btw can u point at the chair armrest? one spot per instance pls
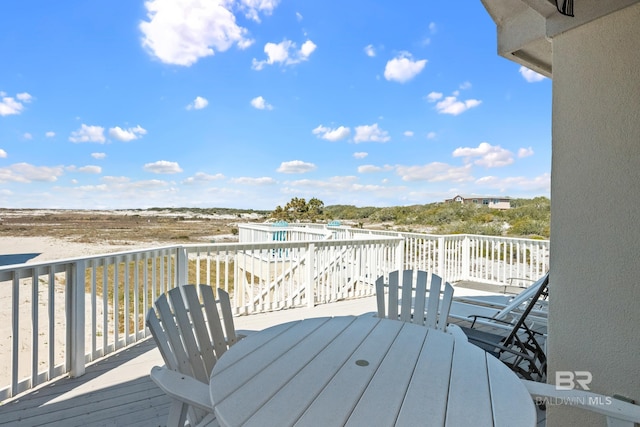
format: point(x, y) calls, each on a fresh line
point(493, 319)
point(619, 410)
point(182, 387)
point(503, 322)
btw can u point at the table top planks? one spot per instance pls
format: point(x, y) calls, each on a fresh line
point(362, 371)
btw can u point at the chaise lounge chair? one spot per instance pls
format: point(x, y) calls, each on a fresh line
point(479, 308)
point(515, 344)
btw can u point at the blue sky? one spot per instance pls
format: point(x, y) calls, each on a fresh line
point(115, 104)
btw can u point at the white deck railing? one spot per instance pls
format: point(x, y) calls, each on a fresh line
point(67, 313)
point(487, 259)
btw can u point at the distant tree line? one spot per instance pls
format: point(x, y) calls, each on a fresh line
point(526, 218)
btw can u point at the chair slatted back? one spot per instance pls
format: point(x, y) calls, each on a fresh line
point(407, 293)
point(189, 332)
point(431, 320)
point(445, 306)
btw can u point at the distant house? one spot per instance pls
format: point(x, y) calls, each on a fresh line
point(490, 201)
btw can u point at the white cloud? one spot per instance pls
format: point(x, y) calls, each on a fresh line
point(261, 104)
point(9, 106)
point(88, 134)
point(118, 191)
point(24, 97)
point(299, 16)
point(26, 173)
point(434, 96)
point(435, 172)
point(372, 132)
point(332, 135)
point(265, 180)
point(369, 169)
point(198, 104)
point(490, 156)
point(296, 166)
point(127, 135)
point(27, 135)
point(450, 104)
point(517, 183)
point(360, 155)
point(3, 154)
point(370, 51)
point(163, 167)
point(115, 179)
point(408, 133)
point(433, 28)
point(98, 155)
point(465, 85)
point(374, 169)
point(307, 49)
point(431, 135)
point(50, 134)
point(182, 32)
point(278, 52)
point(403, 68)
point(525, 152)
point(530, 75)
point(251, 8)
point(85, 169)
point(284, 53)
point(343, 189)
point(90, 169)
point(201, 177)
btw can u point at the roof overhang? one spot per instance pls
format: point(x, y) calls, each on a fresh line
point(526, 27)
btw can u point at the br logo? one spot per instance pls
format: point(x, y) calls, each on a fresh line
point(570, 380)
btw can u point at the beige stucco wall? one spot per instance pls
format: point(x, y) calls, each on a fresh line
point(595, 210)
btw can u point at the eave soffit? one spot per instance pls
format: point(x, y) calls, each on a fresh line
point(526, 27)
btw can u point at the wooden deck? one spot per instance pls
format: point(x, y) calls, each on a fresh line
point(117, 391)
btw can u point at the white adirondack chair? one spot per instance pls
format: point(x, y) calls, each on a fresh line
point(618, 413)
point(414, 296)
point(191, 335)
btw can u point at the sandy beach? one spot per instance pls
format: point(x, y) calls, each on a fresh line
point(48, 249)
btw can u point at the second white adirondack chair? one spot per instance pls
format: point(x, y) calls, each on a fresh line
point(414, 296)
point(191, 335)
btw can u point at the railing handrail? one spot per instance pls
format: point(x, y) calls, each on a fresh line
point(62, 261)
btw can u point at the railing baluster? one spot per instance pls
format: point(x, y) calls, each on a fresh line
point(126, 300)
point(76, 321)
point(51, 288)
point(116, 304)
point(15, 327)
point(34, 325)
point(105, 307)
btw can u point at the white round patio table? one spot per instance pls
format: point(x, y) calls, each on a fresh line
point(364, 371)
